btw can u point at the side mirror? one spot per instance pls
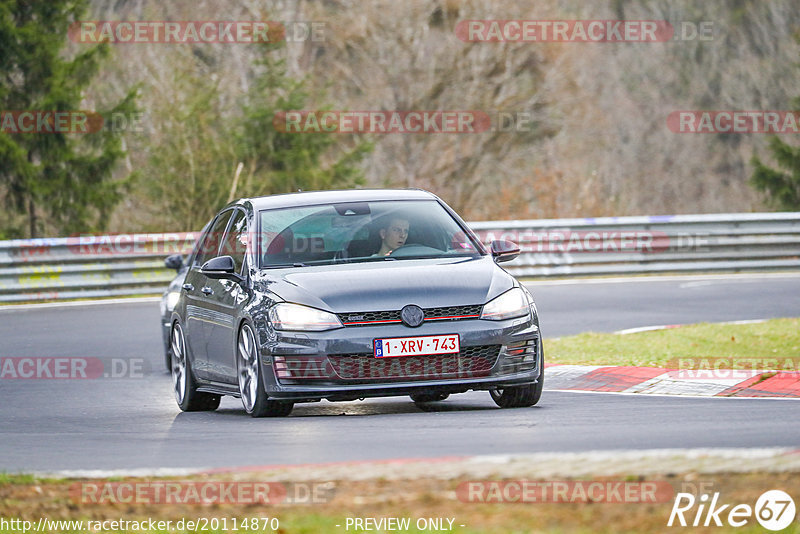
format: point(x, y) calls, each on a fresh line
point(221, 268)
point(174, 261)
point(503, 250)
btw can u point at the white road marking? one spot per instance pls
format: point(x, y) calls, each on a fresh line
point(666, 326)
point(746, 277)
point(132, 300)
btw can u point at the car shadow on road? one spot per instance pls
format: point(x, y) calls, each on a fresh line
point(370, 407)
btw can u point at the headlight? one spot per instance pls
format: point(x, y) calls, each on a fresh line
point(285, 316)
point(510, 304)
point(530, 300)
point(172, 300)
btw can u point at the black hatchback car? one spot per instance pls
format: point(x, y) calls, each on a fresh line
point(342, 295)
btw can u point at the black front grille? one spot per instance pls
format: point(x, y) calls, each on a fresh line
point(453, 313)
point(446, 313)
point(367, 318)
point(520, 357)
point(471, 362)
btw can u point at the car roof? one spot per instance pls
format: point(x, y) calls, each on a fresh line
point(324, 197)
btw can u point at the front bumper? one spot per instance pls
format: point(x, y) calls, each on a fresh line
point(339, 365)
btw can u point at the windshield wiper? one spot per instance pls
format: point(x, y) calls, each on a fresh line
point(285, 265)
point(435, 257)
point(368, 259)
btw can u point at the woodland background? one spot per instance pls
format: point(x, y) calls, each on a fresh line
point(598, 144)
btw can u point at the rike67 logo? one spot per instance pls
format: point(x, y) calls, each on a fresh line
point(774, 510)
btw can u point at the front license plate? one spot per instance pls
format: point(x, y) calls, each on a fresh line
point(416, 346)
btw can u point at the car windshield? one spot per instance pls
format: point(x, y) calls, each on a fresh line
point(353, 232)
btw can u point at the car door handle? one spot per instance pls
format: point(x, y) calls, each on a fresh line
point(188, 287)
point(207, 291)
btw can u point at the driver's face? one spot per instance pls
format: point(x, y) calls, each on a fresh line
point(396, 234)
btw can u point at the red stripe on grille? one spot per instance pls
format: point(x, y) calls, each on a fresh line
point(373, 322)
point(387, 321)
point(452, 317)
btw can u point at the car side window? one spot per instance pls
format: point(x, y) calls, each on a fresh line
point(189, 260)
point(212, 239)
point(235, 242)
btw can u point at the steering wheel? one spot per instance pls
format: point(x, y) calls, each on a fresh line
point(413, 250)
point(341, 256)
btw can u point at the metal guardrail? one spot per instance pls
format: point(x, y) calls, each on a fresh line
point(89, 266)
point(103, 266)
point(651, 244)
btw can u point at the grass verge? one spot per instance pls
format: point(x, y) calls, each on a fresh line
point(776, 339)
point(419, 499)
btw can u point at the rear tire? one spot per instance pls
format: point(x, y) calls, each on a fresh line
point(254, 398)
point(183, 382)
point(521, 396)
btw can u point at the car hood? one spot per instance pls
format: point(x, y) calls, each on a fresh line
point(380, 286)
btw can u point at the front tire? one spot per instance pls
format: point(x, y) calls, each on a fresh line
point(521, 396)
point(183, 383)
point(254, 398)
point(168, 356)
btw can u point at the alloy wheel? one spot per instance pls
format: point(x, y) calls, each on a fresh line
point(248, 368)
point(178, 367)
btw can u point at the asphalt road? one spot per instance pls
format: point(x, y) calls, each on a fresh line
point(606, 306)
point(48, 425)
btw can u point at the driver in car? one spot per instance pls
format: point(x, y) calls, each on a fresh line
point(393, 235)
